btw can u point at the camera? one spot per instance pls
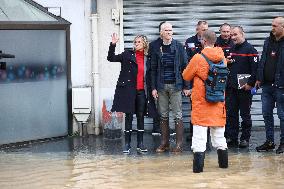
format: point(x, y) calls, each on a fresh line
point(227, 52)
point(3, 64)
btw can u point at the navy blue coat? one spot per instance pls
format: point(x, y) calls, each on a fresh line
point(279, 74)
point(226, 45)
point(125, 92)
point(151, 105)
point(157, 67)
point(192, 46)
point(245, 60)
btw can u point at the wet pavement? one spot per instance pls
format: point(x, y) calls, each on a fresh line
point(95, 162)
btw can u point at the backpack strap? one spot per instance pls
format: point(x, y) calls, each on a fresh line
point(207, 59)
point(210, 83)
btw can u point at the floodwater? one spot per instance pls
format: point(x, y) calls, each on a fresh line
point(94, 162)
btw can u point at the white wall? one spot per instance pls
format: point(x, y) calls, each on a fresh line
point(109, 70)
point(78, 13)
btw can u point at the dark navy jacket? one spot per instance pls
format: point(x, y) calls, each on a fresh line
point(245, 60)
point(153, 46)
point(151, 106)
point(157, 67)
point(192, 46)
point(279, 74)
point(226, 45)
point(125, 92)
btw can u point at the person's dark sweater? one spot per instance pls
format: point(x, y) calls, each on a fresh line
point(226, 45)
point(272, 57)
point(168, 61)
point(192, 46)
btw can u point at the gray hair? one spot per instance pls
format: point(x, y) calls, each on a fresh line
point(210, 36)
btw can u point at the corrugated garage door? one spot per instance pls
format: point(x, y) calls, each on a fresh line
point(143, 17)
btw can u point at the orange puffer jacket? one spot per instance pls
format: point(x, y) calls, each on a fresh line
point(204, 113)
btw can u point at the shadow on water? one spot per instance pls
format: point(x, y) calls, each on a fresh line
point(95, 162)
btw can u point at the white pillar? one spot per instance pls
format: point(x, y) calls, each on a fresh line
point(95, 72)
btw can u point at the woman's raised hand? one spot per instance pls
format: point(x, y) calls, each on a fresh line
point(114, 38)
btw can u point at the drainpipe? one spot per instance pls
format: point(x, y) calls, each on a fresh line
point(119, 7)
point(95, 65)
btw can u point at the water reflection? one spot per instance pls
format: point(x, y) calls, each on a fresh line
point(89, 163)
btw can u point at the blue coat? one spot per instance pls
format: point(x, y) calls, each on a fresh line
point(157, 67)
point(151, 105)
point(192, 46)
point(125, 92)
point(279, 74)
point(225, 45)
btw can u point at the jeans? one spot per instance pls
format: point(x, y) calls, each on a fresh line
point(170, 96)
point(271, 95)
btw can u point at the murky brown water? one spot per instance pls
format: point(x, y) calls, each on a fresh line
point(80, 170)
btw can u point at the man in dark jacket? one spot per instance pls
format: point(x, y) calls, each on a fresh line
point(193, 44)
point(270, 76)
point(224, 40)
point(239, 98)
point(154, 45)
point(167, 64)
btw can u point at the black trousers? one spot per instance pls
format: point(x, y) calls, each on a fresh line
point(238, 101)
point(140, 105)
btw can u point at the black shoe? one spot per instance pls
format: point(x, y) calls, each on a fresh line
point(126, 149)
point(244, 144)
point(232, 143)
point(267, 146)
point(280, 148)
point(141, 149)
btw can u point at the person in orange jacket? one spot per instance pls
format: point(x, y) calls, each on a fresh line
point(206, 114)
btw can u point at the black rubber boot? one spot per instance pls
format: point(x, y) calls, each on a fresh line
point(198, 162)
point(223, 158)
point(127, 135)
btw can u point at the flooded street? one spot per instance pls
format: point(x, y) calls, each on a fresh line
point(94, 162)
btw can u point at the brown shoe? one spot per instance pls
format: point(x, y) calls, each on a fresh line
point(165, 131)
point(163, 148)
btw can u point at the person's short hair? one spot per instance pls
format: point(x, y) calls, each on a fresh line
point(225, 24)
point(145, 42)
point(202, 22)
point(161, 23)
point(281, 20)
point(240, 28)
point(209, 36)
